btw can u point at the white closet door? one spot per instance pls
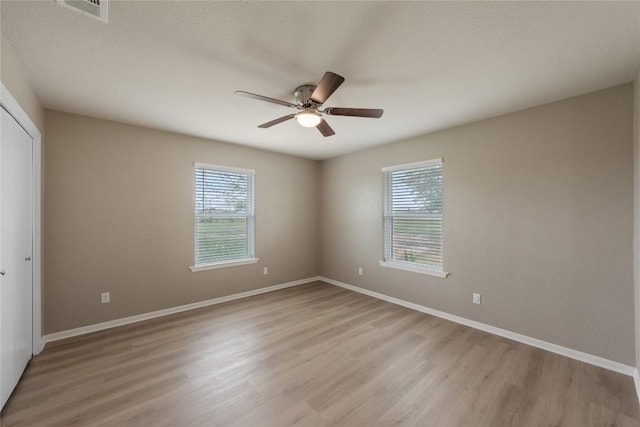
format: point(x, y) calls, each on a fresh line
point(16, 228)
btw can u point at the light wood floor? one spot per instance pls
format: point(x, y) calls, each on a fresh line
point(311, 355)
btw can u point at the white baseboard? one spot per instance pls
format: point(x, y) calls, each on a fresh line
point(167, 311)
point(636, 380)
point(534, 342)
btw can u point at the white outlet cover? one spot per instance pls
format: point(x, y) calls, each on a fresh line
point(477, 298)
point(105, 297)
point(265, 271)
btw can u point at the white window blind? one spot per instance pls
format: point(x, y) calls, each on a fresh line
point(224, 214)
point(413, 214)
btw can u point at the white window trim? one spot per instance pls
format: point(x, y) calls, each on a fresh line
point(197, 165)
point(235, 262)
point(414, 268)
point(223, 264)
point(409, 266)
point(413, 165)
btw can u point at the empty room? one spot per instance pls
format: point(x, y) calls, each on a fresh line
point(319, 213)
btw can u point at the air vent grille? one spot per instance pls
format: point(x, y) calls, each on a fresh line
point(95, 8)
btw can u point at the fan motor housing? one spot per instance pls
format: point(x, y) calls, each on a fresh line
point(303, 93)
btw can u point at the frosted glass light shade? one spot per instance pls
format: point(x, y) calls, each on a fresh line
point(308, 119)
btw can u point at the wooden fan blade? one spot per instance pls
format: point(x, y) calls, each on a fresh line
point(355, 112)
point(265, 98)
point(276, 121)
point(325, 129)
point(329, 83)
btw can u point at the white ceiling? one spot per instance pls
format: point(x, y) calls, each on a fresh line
point(174, 65)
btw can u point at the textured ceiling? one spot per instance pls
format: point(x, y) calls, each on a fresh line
point(174, 65)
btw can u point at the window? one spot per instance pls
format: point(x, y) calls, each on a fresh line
point(413, 217)
point(224, 216)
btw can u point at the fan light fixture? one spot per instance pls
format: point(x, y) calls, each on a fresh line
point(308, 119)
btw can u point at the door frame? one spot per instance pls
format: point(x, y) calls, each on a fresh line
point(13, 107)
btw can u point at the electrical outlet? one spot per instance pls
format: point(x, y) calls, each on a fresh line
point(359, 271)
point(265, 271)
point(477, 298)
point(105, 297)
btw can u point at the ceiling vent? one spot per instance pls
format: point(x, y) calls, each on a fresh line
point(95, 8)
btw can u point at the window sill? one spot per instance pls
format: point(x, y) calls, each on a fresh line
point(414, 269)
point(213, 266)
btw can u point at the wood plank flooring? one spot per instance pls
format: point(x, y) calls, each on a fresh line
point(311, 355)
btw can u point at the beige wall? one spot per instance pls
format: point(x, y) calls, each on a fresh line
point(14, 78)
point(538, 210)
point(119, 218)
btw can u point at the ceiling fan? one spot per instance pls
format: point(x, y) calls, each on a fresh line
point(309, 99)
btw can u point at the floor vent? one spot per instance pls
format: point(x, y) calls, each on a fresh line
point(95, 8)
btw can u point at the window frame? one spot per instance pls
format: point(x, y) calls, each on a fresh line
point(250, 215)
point(388, 217)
